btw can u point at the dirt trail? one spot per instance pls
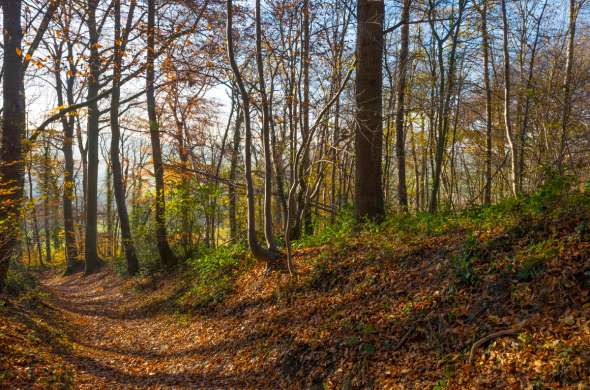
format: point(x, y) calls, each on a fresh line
point(115, 345)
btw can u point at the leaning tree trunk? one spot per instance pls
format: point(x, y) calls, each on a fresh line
point(13, 127)
point(268, 233)
point(257, 251)
point(166, 255)
point(369, 201)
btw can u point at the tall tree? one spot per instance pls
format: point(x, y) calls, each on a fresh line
point(567, 83)
point(257, 250)
point(166, 255)
point(369, 202)
point(399, 115)
point(268, 231)
point(447, 78)
point(527, 103)
point(67, 122)
point(121, 39)
point(507, 97)
point(485, 46)
point(13, 126)
point(92, 260)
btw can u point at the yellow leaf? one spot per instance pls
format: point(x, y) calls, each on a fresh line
point(19, 52)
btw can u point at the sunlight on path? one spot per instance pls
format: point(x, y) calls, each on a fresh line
point(118, 346)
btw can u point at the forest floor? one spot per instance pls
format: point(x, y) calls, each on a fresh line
point(500, 301)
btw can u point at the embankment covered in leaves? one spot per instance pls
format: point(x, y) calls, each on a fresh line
point(486, 298)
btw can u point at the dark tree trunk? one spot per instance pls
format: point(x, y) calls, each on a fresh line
point(233, 196)
point(118, 184)
point(92, 261)
point(13, 127)
point(369, 133)
point(72, 262)
point(487, 197)
point(46, 208)
point(399, 115)
point(166, 255)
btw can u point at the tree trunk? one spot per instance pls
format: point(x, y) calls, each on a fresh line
point(399, 115)
point(118, 184)
point(268, 233)
point(446, 90)
point(67, 122)
point(487, 196)
point(13, 127)
point(257, 251)
point(166, 255)
point(507, 85)
point(233, 196)
point(92, 259)
point(565, 112)
point(369, 133)
point(46, 208)
point(527, 103)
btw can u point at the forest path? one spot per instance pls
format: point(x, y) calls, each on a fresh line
point(118, 346)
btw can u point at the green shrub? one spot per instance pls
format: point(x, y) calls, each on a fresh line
point(462, 263)
point(532, 261)
point(19, 279)
point(332, 233)
point(215, 271)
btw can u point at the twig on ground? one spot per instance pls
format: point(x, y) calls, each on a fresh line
point(491, 336)
point(404, 338)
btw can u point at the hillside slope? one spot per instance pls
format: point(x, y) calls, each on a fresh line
point(489, 298)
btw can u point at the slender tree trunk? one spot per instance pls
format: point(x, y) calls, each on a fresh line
point(268, 233)
point(527, 103)
point(36, 235)
point(369, 132)
point(257, 251)
point(487, 196)
point(400, 112)
point(118, 183)
point(447, 88)
point(507, 86)
point(72, 261)
point(565, 112)
point(304, 204)
point(166, 256)
point(46, 208)
point(13, 128)
point(233, 196)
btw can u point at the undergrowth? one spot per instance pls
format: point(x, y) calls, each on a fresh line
point(213, 273)
point(20, 279)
